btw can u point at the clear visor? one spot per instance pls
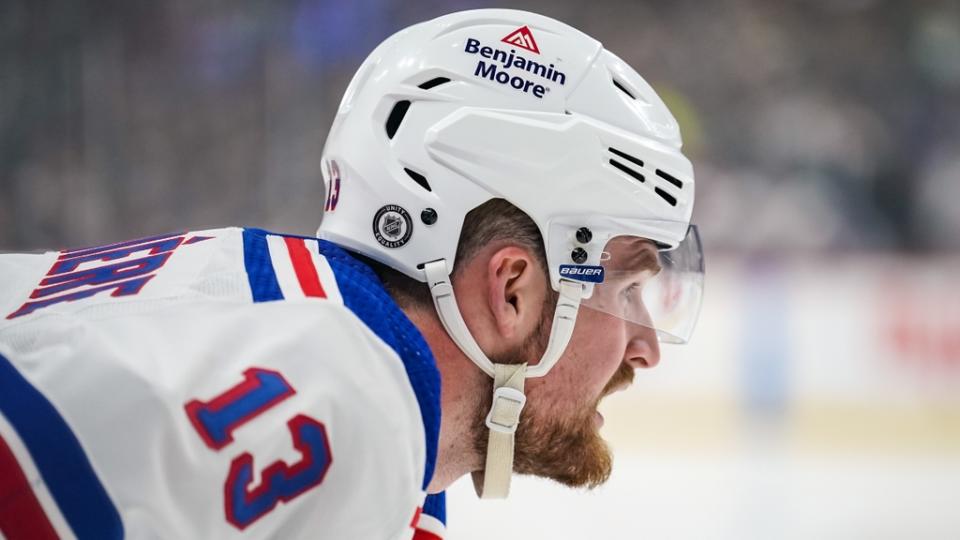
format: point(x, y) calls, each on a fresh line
point(662, 290)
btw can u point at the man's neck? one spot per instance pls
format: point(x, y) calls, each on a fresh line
point(460, 399)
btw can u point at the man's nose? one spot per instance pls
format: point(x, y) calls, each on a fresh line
point(643, 347)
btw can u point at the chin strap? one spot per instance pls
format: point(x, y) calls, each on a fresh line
point(508, 379)
point(502, 421)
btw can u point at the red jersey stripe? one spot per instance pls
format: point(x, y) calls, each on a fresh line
point(303, 266)
point(21, 516)
point(421, 534)
point(416, 517)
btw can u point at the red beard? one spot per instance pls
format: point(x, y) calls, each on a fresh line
point(568, 450)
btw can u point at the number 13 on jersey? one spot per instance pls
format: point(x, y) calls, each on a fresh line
point(215, 421)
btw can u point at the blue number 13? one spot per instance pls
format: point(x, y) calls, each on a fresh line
point(216, 420)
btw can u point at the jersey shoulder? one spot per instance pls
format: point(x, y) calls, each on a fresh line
point(122, 275)
point(294, 322)
point(234, 264)
point(220, 419)
point(362, 293)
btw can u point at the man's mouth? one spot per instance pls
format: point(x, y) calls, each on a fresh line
point(597, 417)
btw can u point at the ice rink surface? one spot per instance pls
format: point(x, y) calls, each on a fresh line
point(758, 496)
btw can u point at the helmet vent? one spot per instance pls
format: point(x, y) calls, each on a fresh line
point(434, 82)
point(623, 89)
point(419, 179)
point(396, 117)
point(636, 176)
point(666, 196)
point(625, 168)
point(626, 156)
point(669, 178)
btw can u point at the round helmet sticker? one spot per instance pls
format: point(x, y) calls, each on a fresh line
point(392, 226)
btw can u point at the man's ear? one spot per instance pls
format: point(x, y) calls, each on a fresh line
point(516, 289)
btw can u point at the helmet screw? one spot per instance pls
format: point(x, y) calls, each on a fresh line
point(579, 255)
point(428, 216)
point(584, 235)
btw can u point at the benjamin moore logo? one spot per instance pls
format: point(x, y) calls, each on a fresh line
point(503, 64)
point(522, 37)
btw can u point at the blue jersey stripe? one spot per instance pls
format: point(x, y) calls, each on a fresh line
point(435, 505)
point(260, 273)
point(364, 295)
point(59, 457)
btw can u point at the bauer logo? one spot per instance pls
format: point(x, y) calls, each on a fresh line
point(593, 274)
point(510, 68)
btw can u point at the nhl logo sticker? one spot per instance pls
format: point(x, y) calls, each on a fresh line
point(523, 38)
point(392, 226)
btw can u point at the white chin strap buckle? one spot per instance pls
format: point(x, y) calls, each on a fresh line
point(504, 415)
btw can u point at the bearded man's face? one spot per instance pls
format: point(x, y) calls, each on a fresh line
point(558, 436)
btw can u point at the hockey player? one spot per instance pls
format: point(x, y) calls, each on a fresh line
point(506, 237)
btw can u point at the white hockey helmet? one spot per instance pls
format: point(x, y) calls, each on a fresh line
point(493, 103)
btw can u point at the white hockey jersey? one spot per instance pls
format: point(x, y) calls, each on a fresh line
point(229, 383)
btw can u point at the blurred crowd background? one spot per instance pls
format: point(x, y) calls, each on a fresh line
point(821, 395)
point(813, 124)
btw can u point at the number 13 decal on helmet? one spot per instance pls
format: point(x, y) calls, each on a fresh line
point(216, 419)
